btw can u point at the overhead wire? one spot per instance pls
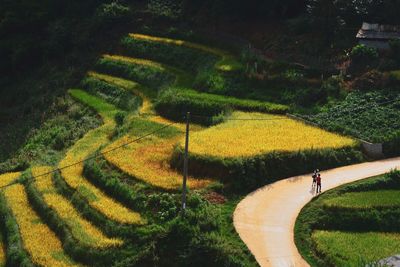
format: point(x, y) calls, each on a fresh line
point(169, 125)
point(98, 154)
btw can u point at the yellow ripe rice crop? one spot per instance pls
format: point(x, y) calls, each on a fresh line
point(41, 243)
point(149, 161)
point(86, 146)
point(8, 178)
point(137, 61)
point(227, 63)
point(74, 178)
point(260, 135)
point(81, 229)
point(180, 126)
point(128, 85)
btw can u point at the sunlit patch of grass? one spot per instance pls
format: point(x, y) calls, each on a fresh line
point(37, 238)
point(365, 200)
point(227, 63)
point(81, 229)
point(353, 249)
point(262, 134)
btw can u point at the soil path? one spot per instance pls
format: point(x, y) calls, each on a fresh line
point(265, 219)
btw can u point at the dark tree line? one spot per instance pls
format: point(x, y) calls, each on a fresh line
point(33, 30)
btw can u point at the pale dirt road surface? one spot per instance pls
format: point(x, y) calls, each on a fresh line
point(265, 219)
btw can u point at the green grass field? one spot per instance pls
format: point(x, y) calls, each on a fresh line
point(365, 200)
point(365, 207)
point(355, 249)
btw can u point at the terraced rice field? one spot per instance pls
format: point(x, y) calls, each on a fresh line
point(249, 134)
point(356, 249)
point(81, 229)
point(147, 161)
point(40, 242)
point(226, 63)
point(91, 142)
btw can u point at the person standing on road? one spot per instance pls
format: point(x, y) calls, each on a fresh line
point(314, 179)
point(318, 183)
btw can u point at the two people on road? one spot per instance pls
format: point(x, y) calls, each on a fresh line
point(316, 181)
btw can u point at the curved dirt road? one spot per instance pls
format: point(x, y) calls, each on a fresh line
point(265, 219)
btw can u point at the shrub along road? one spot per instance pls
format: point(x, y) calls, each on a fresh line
point(265, 219)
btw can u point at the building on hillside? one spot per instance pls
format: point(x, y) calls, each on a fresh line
point(378, 36)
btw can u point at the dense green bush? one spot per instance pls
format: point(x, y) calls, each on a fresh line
point(45, 145)
point(395, 51)
point(250, 173)
point(174, 105)
point(111, 93)
point(391, 146)
point(194, 240)
point(143, 74)
point(179, 56)
point(363, 58)
point(171, 9)
point(112, 12)
point(120, 118)
point(371, 79)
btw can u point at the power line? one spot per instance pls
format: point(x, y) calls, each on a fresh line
point(242, 119)
point(169, 125)
point(97, 155)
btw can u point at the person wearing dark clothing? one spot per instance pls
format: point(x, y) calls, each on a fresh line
point(314, 179)
point(318, 183)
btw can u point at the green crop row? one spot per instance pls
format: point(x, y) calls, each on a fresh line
point(371, 116)
point(175, 102)
point(249, 173)
point(113, 94)
point(180, 56)
point(144, 74)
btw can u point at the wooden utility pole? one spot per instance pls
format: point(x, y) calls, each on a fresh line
point(185, 163)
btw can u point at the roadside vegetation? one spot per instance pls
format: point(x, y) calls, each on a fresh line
point(347, 225)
